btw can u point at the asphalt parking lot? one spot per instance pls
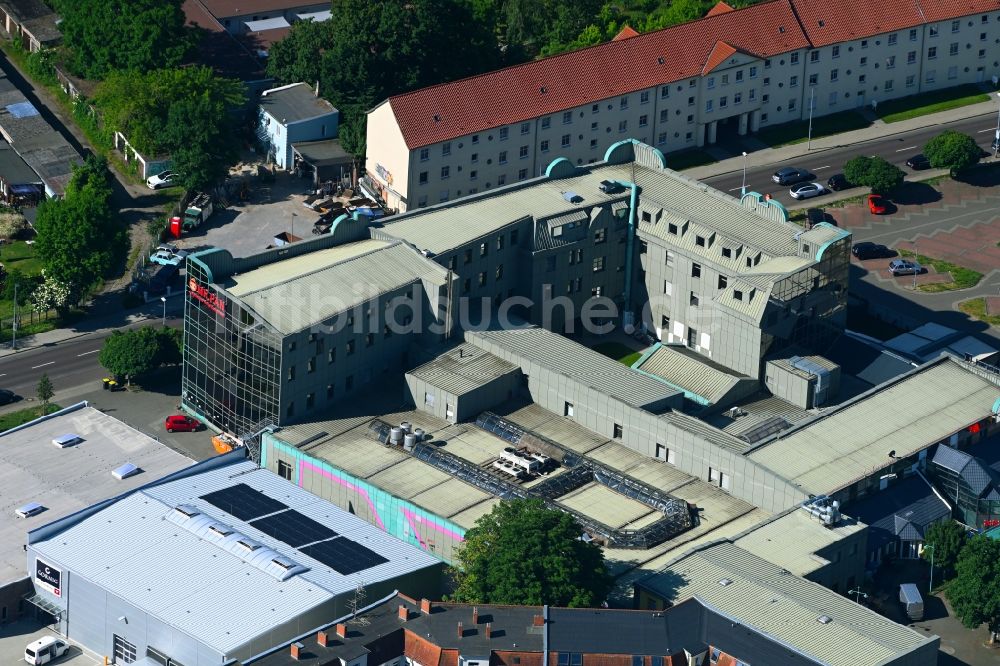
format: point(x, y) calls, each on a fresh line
point(14, 636)
point(247, 227)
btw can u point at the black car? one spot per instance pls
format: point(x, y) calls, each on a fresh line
point(838, 182)
point(7, 397)
point(918, 162)
point(871, 251)
point(814, 216)
point(790, 176)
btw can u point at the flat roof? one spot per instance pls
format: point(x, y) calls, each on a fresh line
point(541, 347)
point(14, 169)
point(294, 102)
point(905, 416)
point(462, 369)
point(322, 153)
point(294, 293)
point(795, 540)
point(764, 598)
point(32, 469)
point(191, 579)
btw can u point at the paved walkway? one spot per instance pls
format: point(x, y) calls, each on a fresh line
point(878, 130)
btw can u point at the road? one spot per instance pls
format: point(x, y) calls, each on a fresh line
point(823, 164)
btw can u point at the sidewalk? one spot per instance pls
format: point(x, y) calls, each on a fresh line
point(878, 130)
point(150, 313)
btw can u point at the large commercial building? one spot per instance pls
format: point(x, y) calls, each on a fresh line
point(219, 562)
point(732, 72)
point(42, 482)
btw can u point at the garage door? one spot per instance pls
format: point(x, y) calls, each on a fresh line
point(123, 650)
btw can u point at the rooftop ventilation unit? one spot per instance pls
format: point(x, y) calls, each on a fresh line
point(725, 581)
point(28, 510)
point(125, 471)
point(186, 511)
point(67, 440)
point(824, 619)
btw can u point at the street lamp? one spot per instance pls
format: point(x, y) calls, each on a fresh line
point(858, 594)
point(163, 299)
point(930, 586)
point(743, 189)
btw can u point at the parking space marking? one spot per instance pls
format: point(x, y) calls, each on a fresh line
point(988, 129)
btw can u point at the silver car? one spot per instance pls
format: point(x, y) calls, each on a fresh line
point(904, 267)
point(807, 191)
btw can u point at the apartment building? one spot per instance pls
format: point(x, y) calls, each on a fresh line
point(730, 73)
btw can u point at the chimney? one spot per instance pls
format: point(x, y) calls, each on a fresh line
point(404, 613)
point(475, 615)
point(425, 606)
point(461, 631)
point(538, 621)
point(489, 629)
point(297, 650)
point(322, 639)
point(342, 630)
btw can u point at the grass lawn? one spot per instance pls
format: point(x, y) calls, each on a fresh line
point(22, 416)
point(894, 110)
point(687, 159)
point(21, 256)
point(962, 277)
point(798, 131)
point(976, 307)
point(619, 352)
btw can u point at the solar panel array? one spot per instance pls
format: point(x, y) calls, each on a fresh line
point(276, 520)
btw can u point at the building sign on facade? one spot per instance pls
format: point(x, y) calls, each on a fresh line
point(383, 173)
point(207, 298)
point(48, 577)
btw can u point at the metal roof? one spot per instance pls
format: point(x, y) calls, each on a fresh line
point(969, 468)
point(904, 416)
point(678, 367)
point(909, 505)
point(190, 582)
point(768, 599)
point(462, 369)
point(295, 293)
point(563, 356)
point(293, 103)
point(32, 469)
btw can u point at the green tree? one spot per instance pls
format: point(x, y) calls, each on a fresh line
point(953, 151)
point(131, 353)
point(947, 538)
point(102, 36)
point(299, 56)
point(80, 236)
point(170, 344)
point(873, 172)
point(44, 391)
point(524, 553)
point(975, 592)
point(17, 281)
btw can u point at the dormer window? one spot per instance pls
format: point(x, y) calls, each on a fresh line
point(737, 294)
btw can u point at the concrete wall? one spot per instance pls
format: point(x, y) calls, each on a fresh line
point(467, 406)
point(388, 149)
point(12, 604)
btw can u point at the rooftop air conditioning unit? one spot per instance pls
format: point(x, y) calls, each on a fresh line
point(28, 510)
point(67, 440)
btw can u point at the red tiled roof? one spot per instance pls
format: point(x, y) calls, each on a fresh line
point(625, 33)
point(420, 650)
point(938, 10)
point(720, 8)
point(521, 92)
point(830, 21)
point(719, 53)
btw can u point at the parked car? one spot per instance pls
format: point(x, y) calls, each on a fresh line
point(162, 179)
point(807, 191)
point(870, 251)
point(162, 257)
point(919, 162)
point(814, 216)
point(7, 397)
point(837, 182)
point(877, 204)
point(182, 423)
point(904, 267)
point(790, 176)
point(46, 649)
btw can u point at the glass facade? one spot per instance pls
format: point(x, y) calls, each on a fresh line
point(232, 361)
point(972, 509)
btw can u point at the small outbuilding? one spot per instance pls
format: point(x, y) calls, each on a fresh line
point(292, 114)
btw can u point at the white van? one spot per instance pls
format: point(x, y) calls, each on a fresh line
point(910, 597)
point(45, 650)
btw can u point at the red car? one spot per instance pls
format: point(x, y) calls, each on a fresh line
point(877, 205)
point(182, 423)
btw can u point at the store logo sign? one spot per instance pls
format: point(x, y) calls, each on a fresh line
point(48, 577)
point(207, 298)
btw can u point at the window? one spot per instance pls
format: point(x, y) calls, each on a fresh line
point(284, 470)
point(522, 152)
point(953, 72)
point(929, 77)
point(475, 139)
point(499, 272)
point(546, 122)
point(617, 432)
point(643, 120)
point(623, 103)
point(767, 63)
point(503, 133)
point(444, 195)
point(567, 117)
point(953, 48)
point(791, 104)
point(813, 79)
point(446, 149)
point(502, 179)
point(739, 75)
point(863, 61)
point(723, 281)
point(693, 299)
point(696, 270)
point(503, 157)
point(329, 391)
point(622, 125)
point(522, 174)
point(725, 79)
point(544, 146)
point(483, 249)
point(982, 53)
point(429, 399)
point(565, 140)
point(753, 72)
point(793, 82)
point(668, 288)
point(422, 201)
point(911, 57)
point(890, 62)
point(474, 158)
point(331, 355)
point(291, 373)
point(525, 128)
point(933, 31)
point(794, 58)
point(423, 178)
point(836, 51)
point(664, 92)
point(954, 26)
point(834, 74)
point(723, 102)
point(814, 56)
point(861, 79)
point(473, 175)
point(593, 143)
point(311, 365)
point(832, 99)
point(752, 95)
point(445, 172)
point(708, 106)
point(350, 347)
point(663, 115)
point(913, 35)
point(911, 81)
point(310, 400)
point(369, 339)
point(482, 278)
point(710, 83)
point(568, 409)
point(737, 98)
point(864, 43)
point(892, 39)
point(425, 154)
point(982, 36)
point(598, 264)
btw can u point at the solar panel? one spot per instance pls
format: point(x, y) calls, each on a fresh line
point(293, 528)
point(343, 555)
point(243, 502)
